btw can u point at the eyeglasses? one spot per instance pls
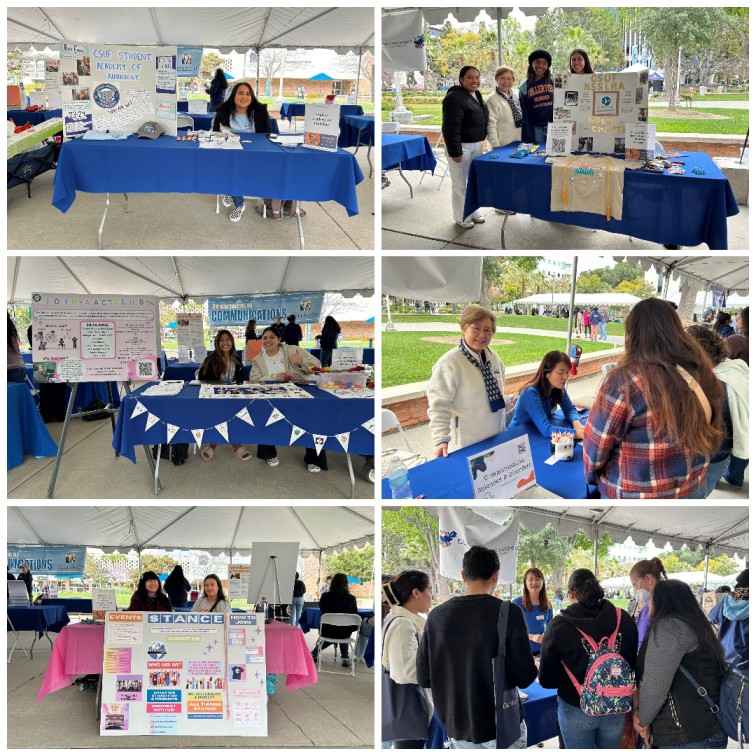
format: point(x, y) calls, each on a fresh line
point(486, 331)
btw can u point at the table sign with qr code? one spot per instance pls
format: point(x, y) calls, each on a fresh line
point(321, 130)
point(502, 471)
point(84, 338)
point(559, 139)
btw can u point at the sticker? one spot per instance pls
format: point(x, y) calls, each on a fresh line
point(106, 95)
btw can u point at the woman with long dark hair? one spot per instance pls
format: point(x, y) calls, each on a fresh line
point(250, 332)
point(329, 340)
point(669, 712)
point(545, 392)
point(16, 369)
point(217, 90)
point(723, 324)
point(213, 599)
point(337, 600)
point(579, 62)
point(149, 595)
point(535, 606)
point(177, 587)
point(657, 416)
point(223, 364)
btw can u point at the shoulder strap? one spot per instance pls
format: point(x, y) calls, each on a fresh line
point(502, 627)
point(613, 636)
point(697, 390)
point(212, 608)
point(713, 708)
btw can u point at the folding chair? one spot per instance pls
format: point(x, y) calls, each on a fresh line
point(182, 121)
point(337, 620)
point(389, 421)
point(440, 158)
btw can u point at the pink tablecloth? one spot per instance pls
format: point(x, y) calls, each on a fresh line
point(78, 651)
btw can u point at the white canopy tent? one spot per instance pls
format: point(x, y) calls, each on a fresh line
point(184, 277)
point(691, 578)
point(611, 299)
point(446, 279)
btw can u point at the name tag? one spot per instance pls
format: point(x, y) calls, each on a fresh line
point(540, 616)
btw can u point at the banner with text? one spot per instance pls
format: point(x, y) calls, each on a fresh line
point(403, 42)
point(48, 560)
point(236, 311)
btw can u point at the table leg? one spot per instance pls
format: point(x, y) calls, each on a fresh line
point(125, 202)
point(98, 700)
point(102, 220)
point(151, 463)
point(16, 642)
point(359, 136)
point(370, 175)
point(62, 444)
point(157, 470)
point(217, 204)
point(299, 225)
point(351, 475)
point(31, 650)
point(404, 178)
point(49, 638)
point(503, 230)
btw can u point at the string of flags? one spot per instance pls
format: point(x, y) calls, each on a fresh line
point(319, 439)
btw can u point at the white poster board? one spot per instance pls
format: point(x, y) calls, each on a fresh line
point(601, 104)
point(103, 600)
point(190, 334)
point(321, 129)
point(89, 337)
point(502, 471)
point(343, 359)
point(38, 98)
point(262, 573)
point(52, 84)
point(117, 87)
point(640, 141)
point(196, 107)
point(238, 581)
point(184, 673)
point(17, 593)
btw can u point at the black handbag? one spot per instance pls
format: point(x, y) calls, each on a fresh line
point(506, 695)
point(404, 710)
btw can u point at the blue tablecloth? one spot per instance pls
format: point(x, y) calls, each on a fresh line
point(368, 355)
point(261, 169)
point(324, 414)
point(686, 210)
point(204, 122)
point(27, 357)
point(291, 110)
point(310, 620)
point(20, 117)
point(38, 618)
point(448, 478)
point(27, 434)
point(86, 393)
point(352, 125)
point(73, 605)
point(413, 152)
point(234, 610)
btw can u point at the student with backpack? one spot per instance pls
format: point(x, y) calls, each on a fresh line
point(588, 654)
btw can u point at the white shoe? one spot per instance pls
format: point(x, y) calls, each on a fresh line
point(371, 475)
point(273, 462)
point(313, 468)
point(237, 213)
point(478, 219)
point(227, 201)
point(465, 224)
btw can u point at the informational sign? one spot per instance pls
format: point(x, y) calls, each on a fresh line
point(321, 129)
point(103, 600)
point(272, 570)
point(600, 105)
point(189, 61)
point(184, 674)
point(197, 107)
point(52, 84)
point(48, 560)
point(190, 330)
point(238, 581)
point(343, 359)
point(237, 311)
point(640, 141)
point(559, 138)
point(90, 337)
point(502, 471)
point(116, 87)
point(38, 98)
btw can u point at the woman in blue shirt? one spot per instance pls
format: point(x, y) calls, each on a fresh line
point(535, 606)
point(538, 401)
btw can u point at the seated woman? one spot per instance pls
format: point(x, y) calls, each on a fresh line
point(338, 600)
point(149, 596)
point(223, 365)
point(281, 362)
point(212, 599)
point(540, 398)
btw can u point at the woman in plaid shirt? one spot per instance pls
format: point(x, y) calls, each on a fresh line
point(658, 415)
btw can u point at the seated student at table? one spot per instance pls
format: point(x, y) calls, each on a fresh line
point(657, 416)
point(281, 362)
point(223, 365)
point(149, 596)
point(213, 599)
point(338, 600)
point(16, 368)
point(539, 399)
point(177, 587)
point(535, 607)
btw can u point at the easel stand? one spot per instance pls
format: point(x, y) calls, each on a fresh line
point(276, 586)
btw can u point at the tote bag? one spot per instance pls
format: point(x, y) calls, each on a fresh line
point(505, 694)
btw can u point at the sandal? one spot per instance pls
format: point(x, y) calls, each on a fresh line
point(242, 453)
point(270, 214)
point(207, 453)
point(289, 208)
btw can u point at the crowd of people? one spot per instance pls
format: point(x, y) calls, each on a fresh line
point(670, 420)
point(617, 673)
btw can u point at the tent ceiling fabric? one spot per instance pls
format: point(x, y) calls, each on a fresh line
point(437, 16)
point(448, 279)
point(729, 272)
point(190, 277)
point(340, 29)
point(218, 529)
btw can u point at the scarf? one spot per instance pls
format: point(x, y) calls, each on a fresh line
point(516, 112)
point(495, 399)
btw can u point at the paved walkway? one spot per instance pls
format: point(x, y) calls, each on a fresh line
point(736, 105)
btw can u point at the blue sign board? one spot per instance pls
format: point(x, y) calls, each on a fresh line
point(48, 560)
point(236, 311)
point(188, 60)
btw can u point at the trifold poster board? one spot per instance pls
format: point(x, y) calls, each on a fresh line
point(176, 673)
point(94, 337)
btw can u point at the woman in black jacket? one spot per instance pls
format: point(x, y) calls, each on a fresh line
point(223, 365)
point(337, 600)
point(464, 125)
point(563, 645)
point(177, 587)
point(217, 90)
point(329, 340)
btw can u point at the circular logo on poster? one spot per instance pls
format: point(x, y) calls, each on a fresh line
point(106, 96)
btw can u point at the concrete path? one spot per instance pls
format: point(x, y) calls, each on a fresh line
point(735, 105)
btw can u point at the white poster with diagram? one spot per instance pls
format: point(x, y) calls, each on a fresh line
point(184, 673)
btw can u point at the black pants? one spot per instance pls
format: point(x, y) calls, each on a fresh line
point(265, 451)
point(343, 647)
point(409, 744)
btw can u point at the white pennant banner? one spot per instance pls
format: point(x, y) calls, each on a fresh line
point(222, 428)
point(244, 415)
point(343, 439)
point(151, 420)
point(370, 425)
point(275, 416)
point(138, 410)
point(198, 433)
point(172, 431)
point(296, 432)
point(319, 442)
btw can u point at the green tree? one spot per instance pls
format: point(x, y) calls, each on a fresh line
point(15, 60)
point(720, 565)
point(638, 287)
point(591, 284)
point(403, 546)
point(510, 275)
point(358, 563)
point(622, 271)
point(153, 563)
point(210, 64)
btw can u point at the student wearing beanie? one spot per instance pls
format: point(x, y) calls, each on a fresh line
point(538, 91)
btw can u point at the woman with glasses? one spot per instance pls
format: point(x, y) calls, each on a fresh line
point(466, 388)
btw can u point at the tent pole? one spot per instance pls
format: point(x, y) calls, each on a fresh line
point(139, 558)
point(595, 552)
point(257, 79)
point(572, 302)
point(357, 86)
point(320, 568)
point(498, 32)
point(706, 570)
point(397, 84)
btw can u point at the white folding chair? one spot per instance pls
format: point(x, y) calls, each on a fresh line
point(390, 127)
point(182, 121)
point(440, 158)
point(337, 620)
point(389, 421)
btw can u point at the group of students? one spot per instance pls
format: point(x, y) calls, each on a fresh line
point(446, 655)
point(291, 334)
point(591, 323)
point(508, 115)
point(152, 596)
point(669, 421)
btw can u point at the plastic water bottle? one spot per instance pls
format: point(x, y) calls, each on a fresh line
point(398, 476)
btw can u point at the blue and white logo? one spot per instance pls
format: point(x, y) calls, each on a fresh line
point(106, 96)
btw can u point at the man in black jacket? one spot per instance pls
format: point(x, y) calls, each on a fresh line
point(455, 655)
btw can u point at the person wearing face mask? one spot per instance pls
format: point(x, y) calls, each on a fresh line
point(538, 91)
point(644, 576)
point(535, 607)
point(544, 393)
point(466, 387)
point(464, 123)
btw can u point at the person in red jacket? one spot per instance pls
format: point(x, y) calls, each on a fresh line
point(149, 596)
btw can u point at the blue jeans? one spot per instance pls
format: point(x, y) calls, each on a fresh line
point(540, 133)
point(297, 604)
point(718, 740)
point(326, 355)
point(602, 330)
point(736, 473)
point(714, 473)
point(16, 375)
point(579, 730)
point(238, 201)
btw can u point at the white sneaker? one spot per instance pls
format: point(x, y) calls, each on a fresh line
point(371, 475)
point(273, 462)
point(313, 468)
point(227, 201)
point(478, 219)
point(237, 213)
point(465, 224)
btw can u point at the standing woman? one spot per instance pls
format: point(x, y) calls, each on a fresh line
point(579, 63)
point(217, 90)
point(27, 578)
point(535, 606)
point(213, 599)
point(657, 416)
point(250, 332)
point(329, 340)
point(644, 576)
point(297, 600)
point(16, 368)
point(464, 124)
point(539, 97)
point(177, 587)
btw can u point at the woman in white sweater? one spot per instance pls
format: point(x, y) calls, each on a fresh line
point(409, 596)
point(466, 388)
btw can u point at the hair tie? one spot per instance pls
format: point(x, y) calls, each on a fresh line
point(388, 592)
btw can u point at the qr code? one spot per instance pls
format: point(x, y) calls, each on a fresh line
point(145, 369)
point(521, 448)
point(558, 145)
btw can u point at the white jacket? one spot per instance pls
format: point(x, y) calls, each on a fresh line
point(501, 128)
point(734, 374)
point(458, 407)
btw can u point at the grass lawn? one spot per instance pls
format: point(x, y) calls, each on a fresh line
point(408, 358)
point(123, 597)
